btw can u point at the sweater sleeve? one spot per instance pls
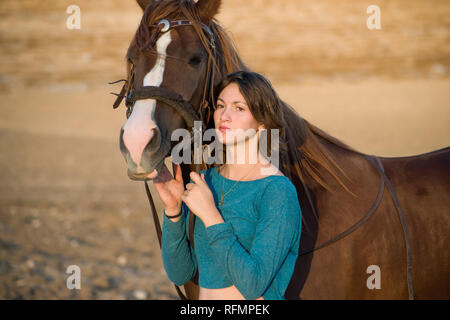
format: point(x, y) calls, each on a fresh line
point(277, 229)
point(177, 256)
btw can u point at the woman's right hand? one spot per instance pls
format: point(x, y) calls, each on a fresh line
point(170, 189)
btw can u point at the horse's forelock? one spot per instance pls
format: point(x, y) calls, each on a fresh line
point(171, 10)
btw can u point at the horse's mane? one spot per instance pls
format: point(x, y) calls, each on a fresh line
point(306, 155)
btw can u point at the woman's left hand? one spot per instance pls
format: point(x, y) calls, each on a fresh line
point(198, 197)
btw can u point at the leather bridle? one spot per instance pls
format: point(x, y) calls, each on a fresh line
point(177, 102)
point(168, 96)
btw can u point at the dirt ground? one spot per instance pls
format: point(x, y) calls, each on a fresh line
point(65, 198)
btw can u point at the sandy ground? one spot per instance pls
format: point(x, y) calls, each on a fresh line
point(65, 198)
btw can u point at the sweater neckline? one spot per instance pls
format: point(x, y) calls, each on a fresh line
point(247, 181)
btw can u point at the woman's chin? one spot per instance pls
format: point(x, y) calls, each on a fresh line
point(230, 138)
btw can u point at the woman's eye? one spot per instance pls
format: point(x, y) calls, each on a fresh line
point(240, 109)
point(218, 106)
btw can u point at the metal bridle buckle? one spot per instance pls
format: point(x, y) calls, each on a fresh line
point(212, 43)
point(166, 24)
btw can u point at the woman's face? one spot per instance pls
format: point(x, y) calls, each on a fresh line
point(233, 113)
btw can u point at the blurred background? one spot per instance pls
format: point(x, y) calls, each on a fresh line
point(65, 198)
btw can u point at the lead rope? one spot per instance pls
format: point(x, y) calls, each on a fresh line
point(158, 231)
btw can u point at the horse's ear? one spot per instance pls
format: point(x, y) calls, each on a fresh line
point(144, 3)
point(208, 9)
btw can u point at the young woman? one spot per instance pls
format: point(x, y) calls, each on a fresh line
point(248, 228)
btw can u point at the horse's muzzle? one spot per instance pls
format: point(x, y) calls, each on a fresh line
point(151, 161)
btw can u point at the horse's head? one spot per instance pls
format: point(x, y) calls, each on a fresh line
point(170, 64)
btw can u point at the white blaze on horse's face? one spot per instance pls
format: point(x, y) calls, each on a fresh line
point(137, 130)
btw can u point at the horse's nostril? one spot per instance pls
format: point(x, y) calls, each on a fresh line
point(155, 141)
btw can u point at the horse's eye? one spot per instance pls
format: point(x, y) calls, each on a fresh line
point(195, 61)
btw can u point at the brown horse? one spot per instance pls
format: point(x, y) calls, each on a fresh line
point(377, 234)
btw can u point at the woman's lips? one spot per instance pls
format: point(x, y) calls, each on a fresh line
point(223, 129)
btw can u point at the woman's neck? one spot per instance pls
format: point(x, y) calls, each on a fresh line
point(245, 165)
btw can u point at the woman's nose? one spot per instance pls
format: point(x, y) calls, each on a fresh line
point(225, 114)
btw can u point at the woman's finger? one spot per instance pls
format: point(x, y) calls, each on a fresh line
point(178, 175)
point(196, 177)
point(190, 186)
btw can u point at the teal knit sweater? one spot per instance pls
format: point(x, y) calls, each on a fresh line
point(256, 247)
